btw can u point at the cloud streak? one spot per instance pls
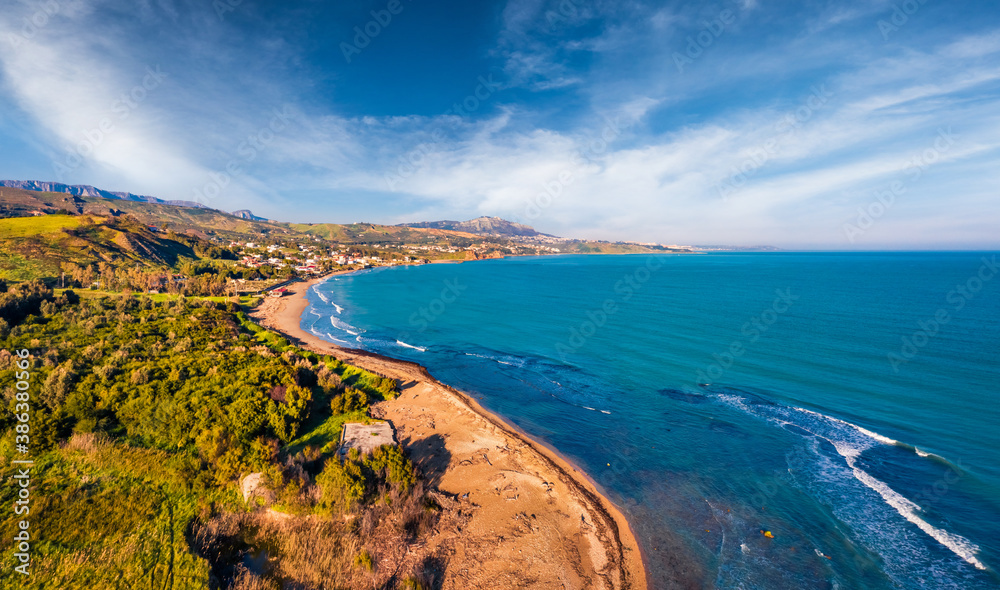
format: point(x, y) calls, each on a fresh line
point(591, 96)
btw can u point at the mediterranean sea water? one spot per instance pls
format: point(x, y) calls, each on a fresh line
point(847, 404)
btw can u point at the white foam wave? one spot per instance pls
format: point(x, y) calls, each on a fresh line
point(865, 431)
point(850, 441)
point(921, 453)
point(342, 325)
point(510, 360)
point(335, 338)
point(326, 299)
point(958, 544)
point(326, 335)
point(401, 343)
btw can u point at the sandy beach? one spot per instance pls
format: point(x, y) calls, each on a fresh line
point(521, 516)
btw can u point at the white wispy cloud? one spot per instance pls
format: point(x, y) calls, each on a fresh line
point(646, 147)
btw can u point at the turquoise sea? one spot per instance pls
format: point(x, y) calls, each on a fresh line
point(847, 403)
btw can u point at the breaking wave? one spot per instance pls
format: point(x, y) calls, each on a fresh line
point(850, 441)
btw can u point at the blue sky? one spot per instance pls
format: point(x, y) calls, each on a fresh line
point(834, 125)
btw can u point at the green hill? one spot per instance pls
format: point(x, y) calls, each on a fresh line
point(371, 233)
point(193, 220)
point(35, 247)
point(16, 202)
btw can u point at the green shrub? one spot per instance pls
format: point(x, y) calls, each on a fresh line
point(364, 561)
point(350, 401)
point(341, 485)
point(389, 463)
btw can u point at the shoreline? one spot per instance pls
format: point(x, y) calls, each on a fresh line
point(607, 528)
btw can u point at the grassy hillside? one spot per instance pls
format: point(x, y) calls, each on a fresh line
point(24, 203)
point(26, 227)
point(369, 233)
point(193, 219)
point(15, 202)
point(210, 222)
point(35, 247)
point(144, 416)
point(597, 247)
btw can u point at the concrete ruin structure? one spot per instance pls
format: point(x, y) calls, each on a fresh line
point(366, 437)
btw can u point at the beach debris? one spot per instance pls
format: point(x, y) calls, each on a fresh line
point(767, 534)
point(487, 459)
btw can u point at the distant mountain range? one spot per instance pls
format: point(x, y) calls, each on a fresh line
point(85, 190)
point(493, 226)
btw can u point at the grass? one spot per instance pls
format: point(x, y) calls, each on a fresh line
point(15, 267)
point(326, 434)
point(26, 227)
point(48, 241)
point(363, 560)
point(106, 515)
point(364, 380)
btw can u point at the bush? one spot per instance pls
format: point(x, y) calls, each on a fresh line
point(341, 485)
point(364, 561)
point(350, 401)
point(388, 387)
point(389, 463)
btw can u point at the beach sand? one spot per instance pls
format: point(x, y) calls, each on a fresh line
point(521, 515)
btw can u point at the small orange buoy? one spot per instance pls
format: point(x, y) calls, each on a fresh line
point(768, 534)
